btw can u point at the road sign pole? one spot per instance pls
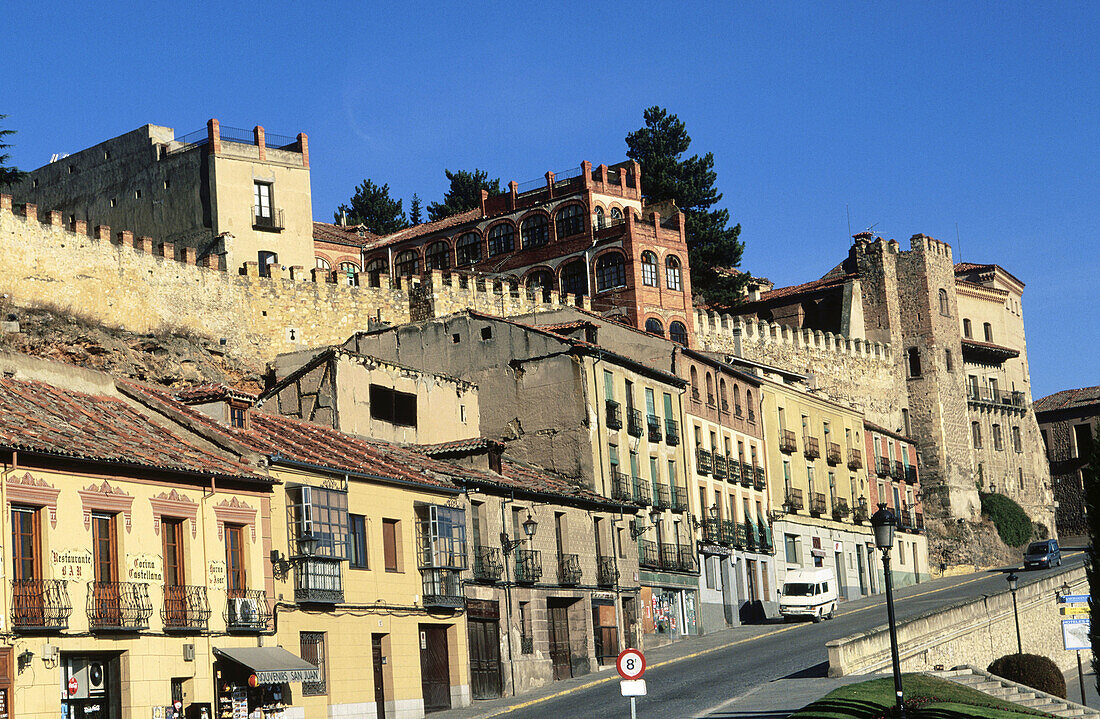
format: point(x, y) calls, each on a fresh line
point(1080, 678)
point(634, 710)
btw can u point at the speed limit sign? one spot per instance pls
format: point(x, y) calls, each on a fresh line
point(631, 664)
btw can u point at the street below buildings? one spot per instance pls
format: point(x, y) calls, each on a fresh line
point(698, 677)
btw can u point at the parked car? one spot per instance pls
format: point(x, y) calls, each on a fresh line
point(808, 593)
point(1043, 554)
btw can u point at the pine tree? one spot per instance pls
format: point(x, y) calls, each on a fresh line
point(689, 182)
point(465, 193)
point(414, 210)
point(8, 175)
point(372, 207)
point(1090, 474)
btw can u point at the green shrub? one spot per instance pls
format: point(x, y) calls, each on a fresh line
point(1009, 518)
point(1031, 670)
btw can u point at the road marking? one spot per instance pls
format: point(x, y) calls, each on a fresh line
point(727, 645)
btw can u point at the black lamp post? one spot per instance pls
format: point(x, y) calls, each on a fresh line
point(1013, 582)
point(883, 521)
point(529, 526)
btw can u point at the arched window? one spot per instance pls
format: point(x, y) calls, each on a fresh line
point(539, 283)
point(988, 332)
point(654, 327)
point(737, 399)
point(672, 272)
point(722, 403)
point(438, 256)
point(502, 238)
point(945, 310)
point(694, 381)
point(535, 231)
point(678, 332)
point(610, 272)
point(407, 263)
point(616, 213)
point(349, 273)
point(573, 279)
point(570, 221)
point(748, 401)
point(649, 269)
point(375, 269)
point(468, 249)
point(601, 221)
point(322, 263)
point(710, 389)
point(966, 327)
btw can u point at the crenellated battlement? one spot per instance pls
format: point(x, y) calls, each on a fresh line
point(729, 331)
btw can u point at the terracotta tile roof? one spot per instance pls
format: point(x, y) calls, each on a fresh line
point(39, 417)
point(459, 446)
point(1068, 399)
point(829, 282)
point(574, 325)
point(962, 268)
point(350, 235)
point(213, 393)
point(889, 432)
point(990, 346)
point(426, 228)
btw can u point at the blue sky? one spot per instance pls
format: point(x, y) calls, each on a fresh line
point(916, 118)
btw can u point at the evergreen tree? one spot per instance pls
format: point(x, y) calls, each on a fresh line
point(372, 207)
point(465, 193)
point(414, 210)
point(8, 175)
point(1091, 477)
point(689, 182)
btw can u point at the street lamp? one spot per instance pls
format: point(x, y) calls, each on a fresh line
point(1013, 581)
point(883, 521)
point(529, 526)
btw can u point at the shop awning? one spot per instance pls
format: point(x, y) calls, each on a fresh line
point(272, 665)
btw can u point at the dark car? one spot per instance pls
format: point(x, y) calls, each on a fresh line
point(1043, 554)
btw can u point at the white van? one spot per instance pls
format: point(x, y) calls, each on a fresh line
point(808, 593)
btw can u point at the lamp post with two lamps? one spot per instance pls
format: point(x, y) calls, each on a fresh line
point(884, 522)
point(1013, 582)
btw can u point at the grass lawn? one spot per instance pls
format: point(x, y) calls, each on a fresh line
point(925, 696)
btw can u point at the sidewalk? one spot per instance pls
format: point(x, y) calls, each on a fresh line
point(1073, 686)
point(781, 698)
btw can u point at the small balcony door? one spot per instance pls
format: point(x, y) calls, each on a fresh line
point(27, 595)
point(108, 603)
point(234, 560)
point(175, 593)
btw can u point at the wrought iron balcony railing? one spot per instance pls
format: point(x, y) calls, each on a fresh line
point(662, 496)
point(487, 564)
point(318, 580)
point(702, 461)
point(641, 491)
point(859, 512)
point(569, 569)
point(672, 432)
point(622, 489)
point(840, 508)
point(648, 555)
point(855, 458)
point(729, 532)
point(911, 474)
point(882, 466)
point(996, 397)
point(899, 471)
point(794, 500)
point(185, 608)
point(442, 588)
point(40, 604)
point(687, 559)
point(669, 556)
point(653, 425)
point(246, 610)
point(905, 520)
point(679, 498)
point(832, 453)
point(735, 469)
point(759, 480)
point(118, 606)
point(712, 530)
point(607, 574)
point(634, 422)
point(526, 644)
point(918, 521)
point(817, 504)
point(720, 466)
point(787, 441)
point(812, 450)
point(614, 414)
point(274, 220)
point(767, 546)
point(528, 565)
point(746, 475)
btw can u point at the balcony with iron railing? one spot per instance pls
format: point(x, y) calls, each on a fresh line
point(641, 492)
point(734, 469)
point(246, 610)
point(898, 472)
point(622, 489)
point(528, 565)
point(614, 414)
point(817, 504)
point(662, 496)
point(840, 508)
point(794, 501)
point(859, 512)
point(918, 521)
point(832, 453)
point(607, 574)
point(569, 569)
point(669, 556)
point(118, 606)
point(767, 546)
point(905, 520)
point(185, 608)
point(702, 461)
point(787, 441)
point(996, 397)
point(672, 432)
point(679, 498)
point(746, 475)
point(759, 479)
point(729, 532)
point(317, 580)
point(648, 554)
point(273, 220)
point(653, 426)
point(487, 564)
point(747, 531)
point(712, 530)
point(40, 605)
point(634, 422)
point(442, 588)
point(911, 474)
point(811, 448)
point(882, 466)
point(855, 458)
point(720, 466)
point(687, 559)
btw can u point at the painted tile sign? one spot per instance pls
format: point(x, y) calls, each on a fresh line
point(71, 563)
point(144, 568)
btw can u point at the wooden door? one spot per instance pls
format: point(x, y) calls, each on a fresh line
point(27, 595)
point(175, 593)
point(485, 658)
point(559, 640)
point(435, 668)
point(379, 675)
point(108, 602)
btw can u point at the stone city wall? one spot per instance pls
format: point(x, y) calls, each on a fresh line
point(973, 632)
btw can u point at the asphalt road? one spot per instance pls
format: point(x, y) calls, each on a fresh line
point(699, 683)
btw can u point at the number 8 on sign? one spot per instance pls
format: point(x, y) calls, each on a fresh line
point(631, 664)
